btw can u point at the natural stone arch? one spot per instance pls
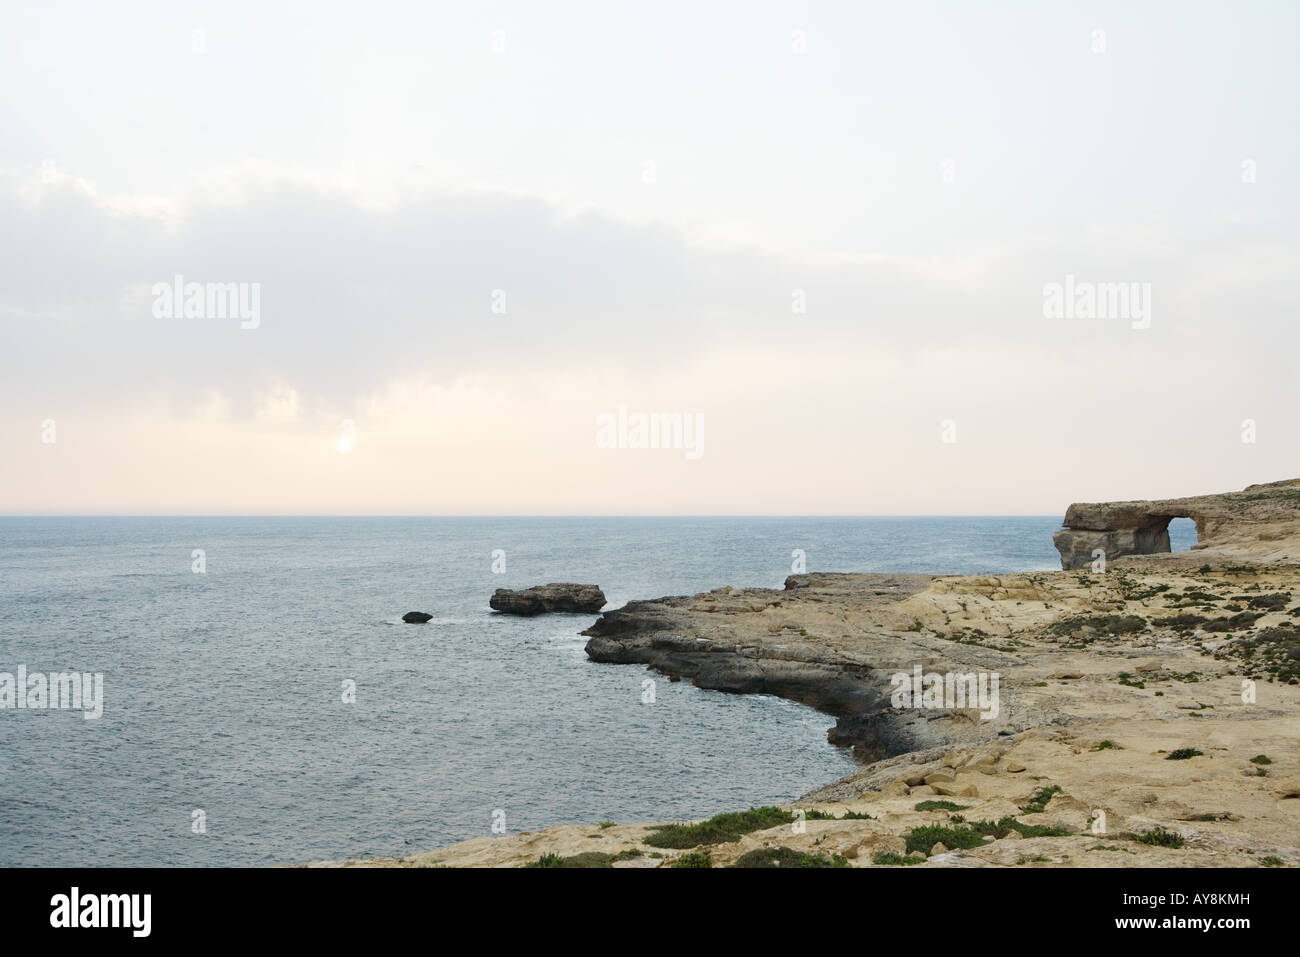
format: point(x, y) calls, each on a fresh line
point(1258, 513)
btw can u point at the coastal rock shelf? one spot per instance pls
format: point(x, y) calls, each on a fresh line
point(830, 641)
point(1232, 520)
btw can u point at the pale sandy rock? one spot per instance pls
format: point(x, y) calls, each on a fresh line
point(956, 789)
point(1285, 790)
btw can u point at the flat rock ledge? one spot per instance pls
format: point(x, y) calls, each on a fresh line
point(830, 641)
point(557, 596)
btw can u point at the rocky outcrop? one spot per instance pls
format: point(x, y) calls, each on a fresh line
point(830, 641)
point(416, 618)
point(1231, 523)
point(557, 596)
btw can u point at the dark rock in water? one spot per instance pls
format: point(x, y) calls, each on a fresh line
point(416, 617)
point(557, 596)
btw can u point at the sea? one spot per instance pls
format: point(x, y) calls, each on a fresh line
point(263, 702)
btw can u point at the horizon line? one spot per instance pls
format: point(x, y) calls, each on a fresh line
point(517, 515)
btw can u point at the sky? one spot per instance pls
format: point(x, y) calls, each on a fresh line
point(825, 235)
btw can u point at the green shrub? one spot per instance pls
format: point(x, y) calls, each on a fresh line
point(695, 859)
point(846, 816)
point(890, 859)
point(720, 829)
point(1159, 837)
point(1182, 754)
point(1004, 826)
point(954, 838)
point(584, 860)
point(941, 806)
point(1038, 802)
point(1105, 624)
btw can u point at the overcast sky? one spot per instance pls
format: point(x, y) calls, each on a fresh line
point(824, 228)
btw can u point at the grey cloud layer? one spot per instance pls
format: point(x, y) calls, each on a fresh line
point(352, 296)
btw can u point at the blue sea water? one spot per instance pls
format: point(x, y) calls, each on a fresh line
point(223, 691)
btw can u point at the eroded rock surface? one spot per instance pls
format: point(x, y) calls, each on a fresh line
point(831, 641)
point(557, 596)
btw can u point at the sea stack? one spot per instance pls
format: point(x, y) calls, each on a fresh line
point(557, 596)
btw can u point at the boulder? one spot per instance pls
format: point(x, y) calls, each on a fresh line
point(953, 789)
point(557, 596)
point(416, 618)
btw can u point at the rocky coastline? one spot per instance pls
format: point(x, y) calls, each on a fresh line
point(1146, 713)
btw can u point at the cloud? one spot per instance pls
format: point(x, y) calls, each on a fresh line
point(472, 338)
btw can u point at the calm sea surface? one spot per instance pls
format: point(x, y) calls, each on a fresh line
point(223, 691)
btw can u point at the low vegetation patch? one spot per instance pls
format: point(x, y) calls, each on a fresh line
point(941, 806)
point(1275, 601)
point(1182, 754)
point(585, 860)
point(1038, 803)
point(890, 859)
point(846, 816)
point(1185, 621)
point(1274, 652)
point(787, 857)
point(720, 829)
point(1159, 837)
point(695, 859)
point(954, 838)
point(1103, 624)
point(1004, 826)
point(1239, 621)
